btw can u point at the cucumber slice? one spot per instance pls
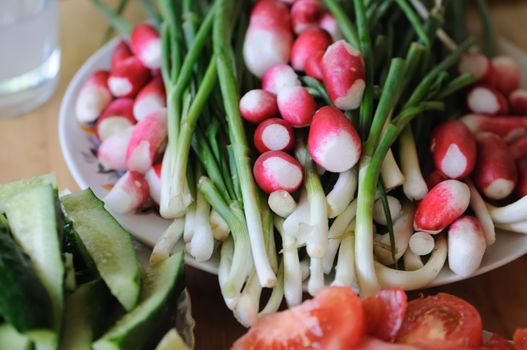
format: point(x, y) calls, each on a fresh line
point(108, 243)
point(10, 339)
point(13, 188)
point(36, 225)
point(85, 311)
point(143, 327)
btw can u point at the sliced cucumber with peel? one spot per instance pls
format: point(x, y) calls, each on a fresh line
point(144, 326)
point(108, 243)
point(13, 188)
point(10, 339)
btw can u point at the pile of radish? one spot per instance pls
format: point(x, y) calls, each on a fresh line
point(306, 143)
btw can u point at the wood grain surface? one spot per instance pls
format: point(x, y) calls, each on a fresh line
point(29, 146)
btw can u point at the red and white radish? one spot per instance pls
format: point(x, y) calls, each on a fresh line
point(128, 78)
point(344, 75)
point(112, 151)
point(333, 142)
point(466, 246)
point(117, 116)
point(435, 177)
point(150, 99)
point(146, 45)
point(445, 202)
point(506, 74)
point(518, 102)
point(279, 76)
point(257, 105)
point(478, 64)
point(147, 142)
point(277, 170)
point(507, 127)
point(93, 98)
point(330, 25)
point(129, 193)
point(487, 100)
point(306, 14)
point(121, 52)
point(312, 41)
point(454, 149)
point(521, 187)
point(495, 175)
point(296, 105)
point(519, 148)
point(274, 135)
point(313, 66)
point(268, 38)
point(153, 178)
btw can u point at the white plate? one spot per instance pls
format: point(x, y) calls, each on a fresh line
point(147, 228)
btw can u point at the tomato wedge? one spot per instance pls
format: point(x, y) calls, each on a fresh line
point(520, 339)
point(442, 321)
point(385, 313)
point(333, 320)
point(497, 342)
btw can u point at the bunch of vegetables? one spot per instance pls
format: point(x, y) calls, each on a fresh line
point(71, 279)
point(338, 319)
point(357, 101)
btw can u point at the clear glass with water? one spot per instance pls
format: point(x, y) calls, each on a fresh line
point(29, 54)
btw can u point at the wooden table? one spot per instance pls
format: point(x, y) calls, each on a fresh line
point(30, 146)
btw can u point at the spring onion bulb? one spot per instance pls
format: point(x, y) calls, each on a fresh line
point(518, 227)
point(219, 227)
point(188, 230)
point(246, 311)
point(391, 173)
point(201, 246)
point(167, 242)
point(299, 216)
point(412, 261)
point(316, 276)
point(482, 213)
point(342, 192)
point(224, 267)
point(291, 262)
point(414, 186)
point(379, 215)
point(511, 213)
point(281, 203)
point(345, 268)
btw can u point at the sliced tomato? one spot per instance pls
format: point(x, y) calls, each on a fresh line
point(385, 313)
point(497, 342)
point(375, 344)
point(333, 320)
point(520, 339)
point(442, 321)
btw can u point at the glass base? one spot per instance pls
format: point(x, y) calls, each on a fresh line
point(26, 92)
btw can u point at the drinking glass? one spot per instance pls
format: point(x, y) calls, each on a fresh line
point(29, 54)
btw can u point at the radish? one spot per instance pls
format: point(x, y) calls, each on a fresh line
point(333, 142)
point(281, 203)
point(151, 98)
point(466, 246)
point(296, 105)
point(112, 151)
point(268, 38)
point(147, 142)
point(506, 74)
point(454, 149)
point(343, 72)
point(128, 78)
point(129, 193)
point(277, 170)
point(313, 66)
point(509, 128)
point(117, 116)
point(305, 14)
point(279, 76)
point(312, 41)
point(434, 178)
point(519, 148)
point(330, 25)
point(257, 105)
point(495, 174)
point(421, 243)
point(521, 187)
point(146, 45)
point(445, 202)
point(487, 100)
point(518, 102)
point(121, 52)
point(153, 178)
point(93, 98)
point(274, 135)
point(478, 64)
point(379, 216)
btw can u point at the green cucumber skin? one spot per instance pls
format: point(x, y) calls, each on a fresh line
point(36, 224)
point(10, 339)
point(82, 261)
point(108, 243)
point(144, 326)
point(13, 188)
point(24, 302)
